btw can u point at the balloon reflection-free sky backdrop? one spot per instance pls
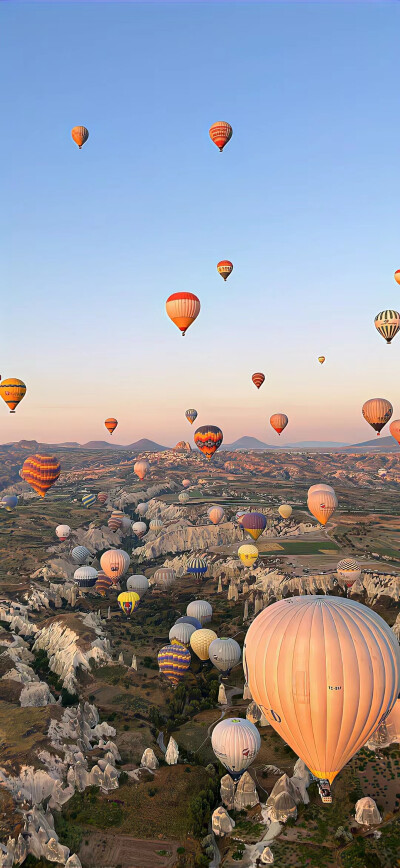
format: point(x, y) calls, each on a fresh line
point(304, 201)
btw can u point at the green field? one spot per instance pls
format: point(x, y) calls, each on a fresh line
point(300, 547)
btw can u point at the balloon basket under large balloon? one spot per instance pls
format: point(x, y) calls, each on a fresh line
point(12, 411)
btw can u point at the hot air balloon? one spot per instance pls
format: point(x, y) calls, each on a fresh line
point(85, 577)
point(200, 642)
point(197, 566)
point(103, 584)
point(319, 486)
point(41, 472)
point(285, 510)
point(224, 654)
point(322, 504)
point(164, 577)
point(173, 661)
point(208, 439)
point(216, 514)
point(139, 584)
point(254, 523)
point(114, 522)
point(239, 515)
point(183, 497)
point(141, 468)
point(186, 619)
point(9, 502)
point(181, 633)
point(142, 508)
point(397, 276)
point(201, 610)
point(12, 391)
point(220, 134)
point(102, 497)
point(235, 742)
point(139, 528)
point(88, 500)
point(321, 359)
point(349, 571)
point(258, 379)
point(377, 412)
point(326, 713)
point(62, 532)
point(80, 555)
point(394, 429)
point(80, 135)
point(248, 554)
point(128, 601)
point(183, 308)
point(114, 563)
point(111, 424)
point(225, 268)
point(155, 525)
point(191, 415)
point(186, 483)
point(279, 422)
point(388, 324)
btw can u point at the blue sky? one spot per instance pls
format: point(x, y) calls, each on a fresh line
point(304, 201)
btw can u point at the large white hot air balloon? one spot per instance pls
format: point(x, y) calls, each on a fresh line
point(200, 609)
point(139, 528)
point(63, 531)
point(137, 583)
point(326, 713)
point(181, 633)
point(235, 742)
point(224, 654)
point(142, 508)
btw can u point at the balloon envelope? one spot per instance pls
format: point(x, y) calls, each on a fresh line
point(173, 661)
point(141, 468)
point(349, 571)
point(224, 654)
point(12, 391)
point(128, 601)
point(139, 584)
point(394, 429)
point(80, 554)
point(63, 531)
point(200, 642)
point(165, 577)
point(258, 379)
point(181, 633)
point(191, 415)
point(225, 268)
point(235, 742)
point(200, 609)
point(102, 497)
point(208, 439)
point(387, 322)
point(85, 577)
point(183, 497)
point(322, 504)
point(248, 554)
point(377, 412)
point(325, 713)
point(80, 135)
point(220, 133)
point(197, 566)
point(111, 424)
point(139, 528)
point(321, 359)
point(183, 308)
point(41, 472)
point(254, 523)
point(279, 422)
point(88, 500)
point(114, 563)
point(285, 510)
point(9, 501)
point(186, 619)
point(216, 514)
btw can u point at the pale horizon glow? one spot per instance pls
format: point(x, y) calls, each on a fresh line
point(304, 201)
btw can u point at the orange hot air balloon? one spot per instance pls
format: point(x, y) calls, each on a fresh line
point(141, 468)
point(80, 135)
point(12, 391)
point(225, 268)
point(111, 424)
point(279, 422)
point(183, 308)
point(322, 504)
point(397, 276)
point(40, 472)
point(220, 134)
point(377, 411)
point(394, 429)
point(258, 379)
point(114, 563)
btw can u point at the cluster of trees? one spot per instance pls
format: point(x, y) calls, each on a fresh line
point(186, 701)
point(201, 807)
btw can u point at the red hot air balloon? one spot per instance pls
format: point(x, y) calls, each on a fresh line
point(279, 422)
point(258, 379)
point(397, 275)
point(208, 439)
point(220, 134)
point(183, 308)
point(225, 268)
point(394, 429)
point(111, 424)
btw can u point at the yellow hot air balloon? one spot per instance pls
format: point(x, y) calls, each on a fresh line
point(322, 504)
point(248, 554)
point(200, 642)
point(12, 391)
point(128, 601)
point(285, 510)
point(321, 359)
point(325, 671)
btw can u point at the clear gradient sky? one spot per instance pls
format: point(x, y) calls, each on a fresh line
point(304, 200)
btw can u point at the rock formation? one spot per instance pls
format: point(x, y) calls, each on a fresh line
point(367, 813)
point(222, 695)
point(228, 792)
point(246, 795)
point(70, 647)
point(267, 857)
point(149, 759)
point(222, 823)
point(172, 752)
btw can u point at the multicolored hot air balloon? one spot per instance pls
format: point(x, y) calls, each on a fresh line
point(224, 654)
point(164, 577)
point(349, 570)
point(103, 584)
point(285, 510)
point(183, 308)
point(114, 563)
point(111, 424)
point(80, 555)
point(321, 359)
point(248, 554)
point(80, 135)
point(220, 133)
point(128, 601)
point(200, 642)
point(388, 324)
point(322, 504)
point(326, 713)
point(88, 500)
point(115, 521)
point(377, 412)
point(41, 472)
point(12, 391)
point(139, 584)
point(216, 514)
point(173, 661)
point(397, 276)
point(201, 610)
point(225, 268)
point(180, 634)
point(197, 566)
point(235, 742)
point(155, 525)
point(191, 415)
point(254, 523)
point(9, 502)
point(279, 422)
point(102, 497)
point(394, 429)
point(208, 439)
point(62, 532)
point(258, 379)
point(141, 468)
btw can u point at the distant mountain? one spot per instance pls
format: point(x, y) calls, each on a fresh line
point(379, 444)
point(309, 444)
point(247, 443)
point(143, 445)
